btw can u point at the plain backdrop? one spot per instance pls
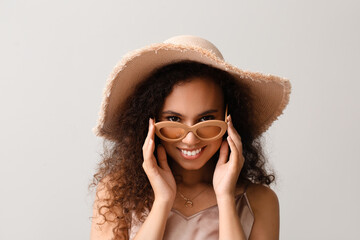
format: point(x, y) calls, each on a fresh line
point(55, 57)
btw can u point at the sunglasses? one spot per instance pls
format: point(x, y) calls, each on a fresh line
point(210, 130)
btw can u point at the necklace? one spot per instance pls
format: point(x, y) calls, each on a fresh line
point(188, 202)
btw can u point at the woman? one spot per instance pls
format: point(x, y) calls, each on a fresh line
point(184, 160)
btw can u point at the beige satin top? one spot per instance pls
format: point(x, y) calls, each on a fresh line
point(204, 224)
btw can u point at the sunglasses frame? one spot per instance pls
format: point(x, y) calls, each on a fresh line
point(217, 123)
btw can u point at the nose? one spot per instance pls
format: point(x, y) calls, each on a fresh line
point(190, 139)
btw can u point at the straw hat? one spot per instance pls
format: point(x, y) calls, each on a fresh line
point(271, 93)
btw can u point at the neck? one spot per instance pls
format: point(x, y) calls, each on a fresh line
point(192, 178)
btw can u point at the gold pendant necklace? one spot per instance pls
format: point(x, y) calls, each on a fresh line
point(188, 202)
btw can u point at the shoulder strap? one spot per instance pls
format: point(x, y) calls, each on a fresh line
point(246, 186)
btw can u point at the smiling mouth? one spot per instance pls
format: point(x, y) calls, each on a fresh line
point(191, 154)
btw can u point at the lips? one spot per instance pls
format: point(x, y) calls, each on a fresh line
point(191, 153)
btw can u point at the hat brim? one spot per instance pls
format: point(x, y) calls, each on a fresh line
point(271, 93)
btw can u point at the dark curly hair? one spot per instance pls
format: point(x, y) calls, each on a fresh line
point(126, 183)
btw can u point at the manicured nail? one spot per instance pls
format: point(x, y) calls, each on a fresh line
point(229, 119)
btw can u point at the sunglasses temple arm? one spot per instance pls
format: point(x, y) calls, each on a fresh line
point(226, 112)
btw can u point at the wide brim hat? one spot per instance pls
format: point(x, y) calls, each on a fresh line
point(270, 93)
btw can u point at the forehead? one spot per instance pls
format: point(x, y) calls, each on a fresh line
point(194, 96)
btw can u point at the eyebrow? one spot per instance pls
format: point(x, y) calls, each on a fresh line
point(201, 114)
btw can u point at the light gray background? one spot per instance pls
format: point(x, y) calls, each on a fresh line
point(56, 55)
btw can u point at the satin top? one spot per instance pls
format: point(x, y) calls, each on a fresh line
point(202, 225)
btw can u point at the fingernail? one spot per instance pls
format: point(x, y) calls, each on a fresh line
point(229, 119)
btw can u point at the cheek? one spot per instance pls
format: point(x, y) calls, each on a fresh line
point(216, 145)
point(213, 148)
point(169, 147)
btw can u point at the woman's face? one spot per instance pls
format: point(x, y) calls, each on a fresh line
point(189, 103)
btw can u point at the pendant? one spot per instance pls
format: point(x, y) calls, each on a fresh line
point(188, 203)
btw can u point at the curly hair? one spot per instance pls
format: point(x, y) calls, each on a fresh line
point(127, 184)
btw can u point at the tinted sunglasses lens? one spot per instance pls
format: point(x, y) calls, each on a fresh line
point(208, 131)
point(172, 132)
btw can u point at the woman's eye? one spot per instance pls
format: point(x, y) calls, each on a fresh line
point(173, 119)
point(206, 118)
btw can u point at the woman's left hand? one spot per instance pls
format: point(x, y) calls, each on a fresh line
point(227, 170)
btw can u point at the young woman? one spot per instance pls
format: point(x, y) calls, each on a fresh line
point(183, 157)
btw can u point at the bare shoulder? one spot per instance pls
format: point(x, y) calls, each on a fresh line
point(265, 205)
point(261, 196)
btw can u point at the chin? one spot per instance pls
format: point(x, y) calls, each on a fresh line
point(191, 164)
point(191, 167)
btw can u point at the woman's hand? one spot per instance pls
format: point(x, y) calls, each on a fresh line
point(227, 170)
point(161, 178)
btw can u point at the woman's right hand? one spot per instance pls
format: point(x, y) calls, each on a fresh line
point(160, 176)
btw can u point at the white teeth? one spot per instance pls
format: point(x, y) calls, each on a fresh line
point(191, 153)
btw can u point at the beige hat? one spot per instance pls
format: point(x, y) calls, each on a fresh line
point(271, 93)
